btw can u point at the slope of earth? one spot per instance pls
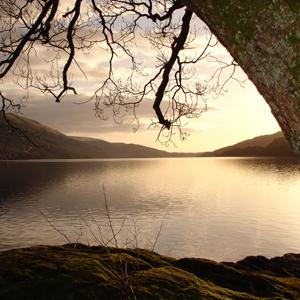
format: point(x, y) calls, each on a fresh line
point(274, 145)
point(32, 140)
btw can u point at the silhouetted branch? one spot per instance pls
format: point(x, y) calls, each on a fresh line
point(8, 105)
point(64, 31)
point(176, 46)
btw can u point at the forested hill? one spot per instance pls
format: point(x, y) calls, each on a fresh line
point(33, 140)
point(265, 145)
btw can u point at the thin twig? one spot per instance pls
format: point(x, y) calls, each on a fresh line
point(158, 233)
point(55, 228)
point(109, 217)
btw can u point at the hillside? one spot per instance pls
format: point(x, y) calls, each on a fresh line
point(36, 141)
point(265, 145)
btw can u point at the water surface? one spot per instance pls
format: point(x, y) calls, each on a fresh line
point(218, 208)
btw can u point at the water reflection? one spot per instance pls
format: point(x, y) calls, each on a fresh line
point(222, 209)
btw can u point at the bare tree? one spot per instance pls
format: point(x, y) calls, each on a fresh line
point(32, 31)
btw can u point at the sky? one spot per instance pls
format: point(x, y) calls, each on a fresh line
point(237, 114)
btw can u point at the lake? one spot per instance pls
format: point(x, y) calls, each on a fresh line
point(216, 208)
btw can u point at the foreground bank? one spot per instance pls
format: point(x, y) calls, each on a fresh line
point(81, 272)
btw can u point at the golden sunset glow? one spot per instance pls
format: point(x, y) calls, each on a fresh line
point(137, 159)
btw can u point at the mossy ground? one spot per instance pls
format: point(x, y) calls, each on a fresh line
point(66, 272)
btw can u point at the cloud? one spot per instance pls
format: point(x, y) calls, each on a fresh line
point(218, 123)
point(69, 117)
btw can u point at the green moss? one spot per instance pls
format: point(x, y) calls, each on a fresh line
point(100, 273)
point(294, 5)
point(173, 283)
point(237, 17)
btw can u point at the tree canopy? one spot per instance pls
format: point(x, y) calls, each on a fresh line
point(262, 36)
point(57, 33)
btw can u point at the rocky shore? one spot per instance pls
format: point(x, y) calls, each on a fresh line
point(76, 271)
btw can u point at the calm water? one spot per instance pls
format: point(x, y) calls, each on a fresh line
point(223, 209)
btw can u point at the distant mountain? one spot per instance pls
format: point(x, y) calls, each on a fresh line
point(33, 140)
point(265, 145)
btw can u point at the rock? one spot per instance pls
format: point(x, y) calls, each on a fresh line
point(76, 271)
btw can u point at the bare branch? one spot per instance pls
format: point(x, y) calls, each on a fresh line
point(56, 34)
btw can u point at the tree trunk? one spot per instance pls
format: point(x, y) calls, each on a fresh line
point(263, 36)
